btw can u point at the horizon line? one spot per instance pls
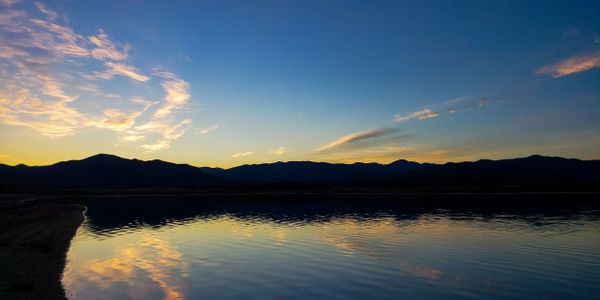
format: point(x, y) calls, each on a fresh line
point(292, 161)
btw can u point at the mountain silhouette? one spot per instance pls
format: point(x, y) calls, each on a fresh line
point(308, 172)
point(105, 170)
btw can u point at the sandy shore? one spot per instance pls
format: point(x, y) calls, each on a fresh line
point(34, 240)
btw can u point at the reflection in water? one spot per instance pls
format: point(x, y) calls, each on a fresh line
point(189, 249)
point(141, 264)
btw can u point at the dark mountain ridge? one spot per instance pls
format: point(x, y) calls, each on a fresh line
point(105, 170)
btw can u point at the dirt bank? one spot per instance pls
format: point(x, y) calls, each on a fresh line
point(34, 240)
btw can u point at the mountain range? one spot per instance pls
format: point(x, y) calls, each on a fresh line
point(104, 170)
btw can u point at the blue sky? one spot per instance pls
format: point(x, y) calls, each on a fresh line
point(224, 83)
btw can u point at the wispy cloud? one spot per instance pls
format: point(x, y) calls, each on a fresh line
point(450, 106)
point(571, 65)
point(8, 2)
point(425, 113)
point(50, 14)
point(49, 71)
point(123, 70)
point(154, 147)
point(242, 154)
point(278, 151)
point(382, 143)
point(209, 129)
point(106, 49)
point(177, 93)
point(117, 119)
point(167, 129)
point(356, 137)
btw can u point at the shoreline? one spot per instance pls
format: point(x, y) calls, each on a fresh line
point(34, 240)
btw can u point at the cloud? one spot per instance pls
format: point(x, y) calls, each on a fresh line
point(145, 103)
point(425, 113)
point(450, 106)
point(358, 136)
point(9, 2)
point(169, 131)
point(278, 151)
point(118, 120)
point(177, 130)
point(49, 83)
point(177, 94)
point(377, 144)
point(8, 52)
point(123, 70)
point(50, 14)
point(162, 265)
point(162, 121)
point(242, 154)
point(107, 49)
point(209, 129)
point(572, 65)
point(132, 136)
point(52, 119)
point(157, 146)
point(55, 38)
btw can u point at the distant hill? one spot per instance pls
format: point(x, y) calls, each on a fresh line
point(105, 170)
point(308, 172)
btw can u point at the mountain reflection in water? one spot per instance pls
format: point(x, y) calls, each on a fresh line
point(334, 247)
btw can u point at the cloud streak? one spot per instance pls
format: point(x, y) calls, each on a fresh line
point(114, 69)
point(571, 65)
point(242, 154)
point(383, 143)
point(278, 151)
point(106, 49)
point(209, 129)
point(356, 137)
point(435, 111)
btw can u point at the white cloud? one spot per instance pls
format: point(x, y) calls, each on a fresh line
point(157, 146)
point(425, 113)
point(123, 70)
point(242, 154)
point(209, 129)
point(278, 151)
point(450, 106)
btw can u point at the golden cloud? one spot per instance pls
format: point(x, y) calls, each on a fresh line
point(48, 74)
point(572, 65)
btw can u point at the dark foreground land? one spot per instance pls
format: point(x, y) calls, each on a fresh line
point(34, 238)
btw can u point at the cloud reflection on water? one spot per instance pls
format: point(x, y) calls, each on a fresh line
point(142, 267)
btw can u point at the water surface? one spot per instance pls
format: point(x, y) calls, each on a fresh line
point(321, 249)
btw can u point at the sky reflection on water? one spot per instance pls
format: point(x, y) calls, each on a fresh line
point(355, 255)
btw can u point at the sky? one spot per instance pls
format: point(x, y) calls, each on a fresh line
point(226, 83)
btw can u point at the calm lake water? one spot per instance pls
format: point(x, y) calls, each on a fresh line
point(174, 248)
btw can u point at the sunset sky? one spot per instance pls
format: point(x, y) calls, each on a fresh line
point(225, 83)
